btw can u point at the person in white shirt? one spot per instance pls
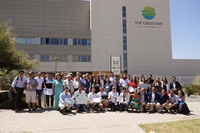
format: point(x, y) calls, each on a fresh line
point(62, 103)
point(76, 83)
point(40, 81)
point(69, 83)
point(91, 96)
point(18, 86)
point(104, 102)
point(125, 99)
point(112, 97)
point(112, 78)
point(173, 101)
point(123, 82)
point(81, 107)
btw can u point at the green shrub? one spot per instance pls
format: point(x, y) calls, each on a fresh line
point(188, 90)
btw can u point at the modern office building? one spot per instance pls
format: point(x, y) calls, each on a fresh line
point(84, 35)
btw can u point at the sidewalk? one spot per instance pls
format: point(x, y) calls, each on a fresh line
point(112, 122)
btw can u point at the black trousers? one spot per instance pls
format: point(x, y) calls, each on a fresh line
point(47, 99)
point(18, 97)
point(175, 108)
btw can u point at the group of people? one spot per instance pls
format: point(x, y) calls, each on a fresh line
point(127, 92)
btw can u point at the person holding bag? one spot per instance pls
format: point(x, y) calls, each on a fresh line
point(18, 86)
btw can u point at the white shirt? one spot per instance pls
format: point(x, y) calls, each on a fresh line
point(123, 82)
point(113, 95)
point(153, 98)
point(174, 85)
point(102, 83)
point(20, 83)
point(112, 79)
point(40, 81)
point(78, 93)
point(76, 84)
point(92, 96)
point(99, 94)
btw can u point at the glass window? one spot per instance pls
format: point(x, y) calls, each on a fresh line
point(124, 47)
point(125, 42)
point(43, 41)
point(79, 41)
point(21, 40)
point(74, 41)
point(42, 58)
point(89, 42)
point(124, 24)
point(124, 14)
point(61, 41)
point(124, 30)
point(84, 41)
point(89, 58)
point(124, 37)
point(47, 58)
point(47, 41)
point(65, 41)
point(32, 56)
point(84, 59)
point(54, 41)
point(124, 8)
point(75, 58)
point(125, 64)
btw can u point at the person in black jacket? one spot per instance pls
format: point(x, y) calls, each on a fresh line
point(143, 100)
point(116, 86)
point(175, 85)
point(153, 103)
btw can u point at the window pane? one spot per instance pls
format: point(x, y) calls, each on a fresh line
point(89, 42)
point(124, 24)
point(42, 58)
point(124, 8)
point(32, 40)
point(79, 41)
point(21, 40)
point(84, 59)
point(61, 41)
point(32, 56)
point(74, 41)
point(124, 14)
point(54, 41)
point(89, 58)
point(47, 41)
point(75, 58)
point(125, 42)
point(47, 58)
point(124, 47)
point(84, 42)
point(124, 30)
point(43, 41)
point(65, 41)
point(65, 58)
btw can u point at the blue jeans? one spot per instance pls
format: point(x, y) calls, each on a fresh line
point(81, 107)
point(122, 106)
point(39, 94)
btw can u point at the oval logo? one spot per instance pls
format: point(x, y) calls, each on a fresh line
point(148, 13)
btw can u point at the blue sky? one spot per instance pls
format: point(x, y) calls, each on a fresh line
point(185, 27)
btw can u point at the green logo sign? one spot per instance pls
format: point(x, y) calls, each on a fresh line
point(148, 13)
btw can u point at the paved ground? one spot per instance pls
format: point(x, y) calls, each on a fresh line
point(109, 122)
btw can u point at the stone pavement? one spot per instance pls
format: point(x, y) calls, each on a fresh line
point(108, 122)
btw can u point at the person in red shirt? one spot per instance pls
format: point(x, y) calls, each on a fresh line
point(134, 82)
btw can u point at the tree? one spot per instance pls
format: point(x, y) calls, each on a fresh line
point(10, 58)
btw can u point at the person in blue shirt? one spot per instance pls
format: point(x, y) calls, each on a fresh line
point(62, 101)
point(57, 88)
point(164, 101)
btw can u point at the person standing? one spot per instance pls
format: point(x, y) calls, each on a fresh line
point(69, 84)
point(40, 81)
point(85, 84)
point(76, 83)
point(157, 85)
point(31, 91)
point(48, 84)
point(107, 86)
point(43, 74)
point(150, 79)
point(18, 86)
point(175, 85)
point(112, 78)
point(57, 89)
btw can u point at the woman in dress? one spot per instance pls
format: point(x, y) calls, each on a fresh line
point(157, 85)
point(134, 82)
point(57, 88)
point(107, 86)
point(164, 85)
point(76, 83)
point(135, 101)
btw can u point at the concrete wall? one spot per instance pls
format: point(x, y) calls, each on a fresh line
point(148, 47)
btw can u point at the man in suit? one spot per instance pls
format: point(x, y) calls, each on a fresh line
point(68, 83)
point(116, 86)
point(143, 99)
point(102, 81)
point(175, 85)
point(85, 83)
point(153, 103)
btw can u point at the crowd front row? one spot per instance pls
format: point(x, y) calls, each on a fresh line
point(75, 93)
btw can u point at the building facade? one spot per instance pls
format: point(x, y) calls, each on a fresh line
point(83, 35)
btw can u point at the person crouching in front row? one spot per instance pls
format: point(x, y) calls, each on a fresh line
point(124, 104)
point(62, 103)
point(153, 103)
point(81, 107)
point(112, 97)
point(164, 101)
point(143, 100)
point(135, 101)
point(92, 95)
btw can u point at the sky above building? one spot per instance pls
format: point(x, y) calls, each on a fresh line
point(185, 28)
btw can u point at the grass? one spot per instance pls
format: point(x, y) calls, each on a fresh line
point(187, 126)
